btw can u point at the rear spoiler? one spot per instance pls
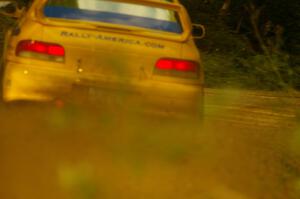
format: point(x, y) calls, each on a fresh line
point(176, 6)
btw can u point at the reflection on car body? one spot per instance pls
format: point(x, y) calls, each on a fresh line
point(143, 48)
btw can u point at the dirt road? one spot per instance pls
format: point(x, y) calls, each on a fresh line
point(248, 148)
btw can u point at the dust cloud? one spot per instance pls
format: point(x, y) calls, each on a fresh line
point(247, 147)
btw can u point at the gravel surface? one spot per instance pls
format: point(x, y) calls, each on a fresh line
point(248, 147)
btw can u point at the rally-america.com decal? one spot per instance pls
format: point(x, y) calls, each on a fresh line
point(112, 39)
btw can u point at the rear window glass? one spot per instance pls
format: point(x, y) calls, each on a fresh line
point(116, 13)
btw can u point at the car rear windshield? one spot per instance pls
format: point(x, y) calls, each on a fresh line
point(115, 12)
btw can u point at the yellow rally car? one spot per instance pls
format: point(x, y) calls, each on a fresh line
point(140, 48)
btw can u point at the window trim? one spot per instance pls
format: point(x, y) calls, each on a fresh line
point(37, 15)
point(78, 14)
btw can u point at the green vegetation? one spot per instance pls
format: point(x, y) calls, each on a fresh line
point(5, 22)
point(68, 3)
point(249, 44)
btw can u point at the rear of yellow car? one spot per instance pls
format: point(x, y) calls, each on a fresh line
point(142, 52)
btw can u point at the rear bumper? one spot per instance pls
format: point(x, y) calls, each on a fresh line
point(26, 82)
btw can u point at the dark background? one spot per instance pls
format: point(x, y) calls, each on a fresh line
point(252, 44)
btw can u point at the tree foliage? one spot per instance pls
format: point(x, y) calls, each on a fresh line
point(257, 40)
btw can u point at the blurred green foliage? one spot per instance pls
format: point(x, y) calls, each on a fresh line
point(236, 55)
point(78, 180)
point(68, 3)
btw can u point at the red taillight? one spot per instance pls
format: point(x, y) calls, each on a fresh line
point(177, 65)
point(56, 50)
point(49, 49)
